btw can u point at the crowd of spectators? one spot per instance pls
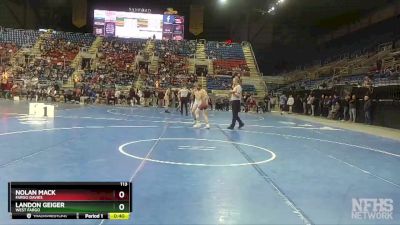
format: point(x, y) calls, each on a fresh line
point(173, 64)
point(173, 70)
point(182, 48)
point(59, 51)
point(45, 70)
point(116, 63)
point(332, 107)
point(6, 52)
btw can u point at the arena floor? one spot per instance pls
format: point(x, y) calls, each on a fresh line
point(277, 170)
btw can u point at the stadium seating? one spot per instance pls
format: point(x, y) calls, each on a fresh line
point(173, 70)
point(117, 56)
point(225, 67)
point(181, 48)
point(61, 48)
point(248, 88)
point(219, 50)
point(219, 82)
point(84, 40)
point(6, 52)
point(19, 37)
point(119, 52)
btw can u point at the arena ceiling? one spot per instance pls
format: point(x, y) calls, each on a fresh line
point(316, 16)
point(296, 23)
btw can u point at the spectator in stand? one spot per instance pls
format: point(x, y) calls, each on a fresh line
point(226, 104)
point(251, 104)
point(368, 82)
point(345, 107)
point(327, 105)
point(210, 104)
point(334, 100)
point(321, 105)
point(395, 74)
point(146, 97)
point(160, 98)
point(140, 96)
point(333, 114)
point(267, 104)
point(304, 102)
point(290, 103)
point(353, 108)
point(273, 101)
point(312, 103)
point(308, 106)
point(167, 97)
point(117, 95)
point(282, 103)
point(110, 97)
point(131, 97)
point(174, 100)
point(367, 110)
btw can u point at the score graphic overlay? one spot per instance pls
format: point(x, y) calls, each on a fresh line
point(70, 200)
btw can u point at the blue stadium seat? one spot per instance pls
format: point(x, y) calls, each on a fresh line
point(18, 36)
point(222, 51)
point(219, 82)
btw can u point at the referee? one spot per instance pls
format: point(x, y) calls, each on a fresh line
point(183, 95)
point(235, 99)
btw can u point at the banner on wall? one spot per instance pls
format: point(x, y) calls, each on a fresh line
point(196, 19)
point(79, 13)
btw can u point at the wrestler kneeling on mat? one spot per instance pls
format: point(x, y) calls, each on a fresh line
point(200, 105)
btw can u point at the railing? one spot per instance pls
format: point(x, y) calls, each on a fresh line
point(253, 55)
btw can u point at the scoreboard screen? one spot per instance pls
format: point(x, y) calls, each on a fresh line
point(70, 200)
point(138, 25)
point(173, 27)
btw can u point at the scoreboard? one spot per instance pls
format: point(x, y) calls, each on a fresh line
point(138, 25)
point(70, 200)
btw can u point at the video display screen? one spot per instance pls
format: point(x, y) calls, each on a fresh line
point(138, 25)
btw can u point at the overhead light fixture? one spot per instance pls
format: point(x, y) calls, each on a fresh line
point(271, 9)
point(274, 6)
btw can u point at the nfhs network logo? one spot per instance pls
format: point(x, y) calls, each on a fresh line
point(372, 209)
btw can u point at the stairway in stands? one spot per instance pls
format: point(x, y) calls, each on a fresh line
point(94, 49)
point(39, 42)
point(150, 48)
point(210, 67)
point(201, 59)
point(34, 51)
point(200, 52)
point(255, 77)
point(147, 52)
point(192, 66)
point(203, 82)
point(76, 63)
point(153, 67)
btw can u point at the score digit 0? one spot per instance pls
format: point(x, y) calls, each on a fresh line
point(121, 194)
